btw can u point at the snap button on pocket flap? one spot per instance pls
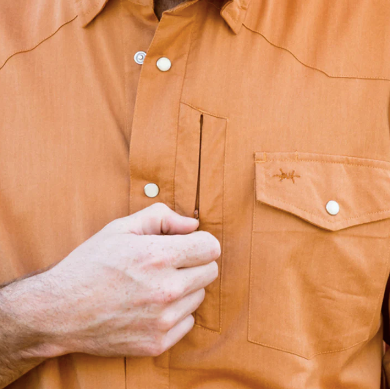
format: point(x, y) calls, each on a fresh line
point(329, 191)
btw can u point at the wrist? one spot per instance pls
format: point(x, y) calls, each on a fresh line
point(27, 310)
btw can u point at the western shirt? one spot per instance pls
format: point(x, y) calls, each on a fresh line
point(268, 120)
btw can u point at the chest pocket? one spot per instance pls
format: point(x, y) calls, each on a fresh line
point(320, 248)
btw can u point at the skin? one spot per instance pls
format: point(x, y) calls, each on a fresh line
point(129, 290)
point(162, 5)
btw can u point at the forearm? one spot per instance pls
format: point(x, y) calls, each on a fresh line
point(24, 342)
point(39, 271)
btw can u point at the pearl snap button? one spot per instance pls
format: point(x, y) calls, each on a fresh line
point(151, 190)
point(332, 207)
point(164, 64)
point(139, 57)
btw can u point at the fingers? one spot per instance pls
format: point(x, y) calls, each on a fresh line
point(180, 309)
point(176, 251)
point(195, 249)
point(189, 280)
point(167, 236)
point(178, 332)
point(155, 220)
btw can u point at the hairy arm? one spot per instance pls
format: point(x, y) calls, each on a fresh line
point(155, 255)
point(24, 304)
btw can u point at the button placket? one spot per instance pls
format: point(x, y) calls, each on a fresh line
point(155, 121)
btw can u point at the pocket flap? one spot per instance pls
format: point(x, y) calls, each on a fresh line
point(304, 183)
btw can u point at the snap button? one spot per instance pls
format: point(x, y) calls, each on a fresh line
point(332, 207)
point(139, 57)
point(164, 64)
point(151, 190)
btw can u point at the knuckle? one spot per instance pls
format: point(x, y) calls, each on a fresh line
point(211, 242)
point(155, 349)
point(172, 294)
point(112, 225)
point(168, 295)
point(160, 261)
point(160, 207)
point(159, 298)
point(166, 322)
point(177, 290)
point(204, 235)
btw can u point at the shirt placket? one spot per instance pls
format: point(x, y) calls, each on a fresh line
point(154, 130)
point(153, 142)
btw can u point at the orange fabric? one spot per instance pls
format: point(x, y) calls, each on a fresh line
point(279, 89)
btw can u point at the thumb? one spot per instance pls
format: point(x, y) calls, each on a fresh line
point(158, 219)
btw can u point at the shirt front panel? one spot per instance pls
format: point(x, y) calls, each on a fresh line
point(242, 110)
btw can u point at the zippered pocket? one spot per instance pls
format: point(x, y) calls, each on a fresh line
point(199, 190)
point(196, 212)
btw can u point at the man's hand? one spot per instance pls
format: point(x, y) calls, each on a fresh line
point(129, 290)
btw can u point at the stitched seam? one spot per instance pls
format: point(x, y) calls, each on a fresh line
point(303, 156)
point(328, 221)
point(127, 130)
point(169, 368)
point(126, 122)
point(173, 180)
point(207, 329)
point(223, 229)
point(250, 294)
point(203, 111)
point(232, 16)
point(311, 355)
point(175, 162)
point(179, 110)
point(381, 293)
point(335, 162)
point(43, 40)
point(93, 12)
point(251, 258)
point(313, 67)
point(135, 115)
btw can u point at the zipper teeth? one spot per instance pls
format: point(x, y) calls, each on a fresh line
point(196, 213)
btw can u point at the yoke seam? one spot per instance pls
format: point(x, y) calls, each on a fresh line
point(313, 67)
point(32, 48)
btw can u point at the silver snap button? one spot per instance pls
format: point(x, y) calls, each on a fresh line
point(332, 207)
point(151, 190)
point(164, 64)
point(139, 57)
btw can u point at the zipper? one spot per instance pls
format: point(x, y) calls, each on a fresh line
point(196, 212)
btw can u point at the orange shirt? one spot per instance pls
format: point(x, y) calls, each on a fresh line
point(272, 120)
